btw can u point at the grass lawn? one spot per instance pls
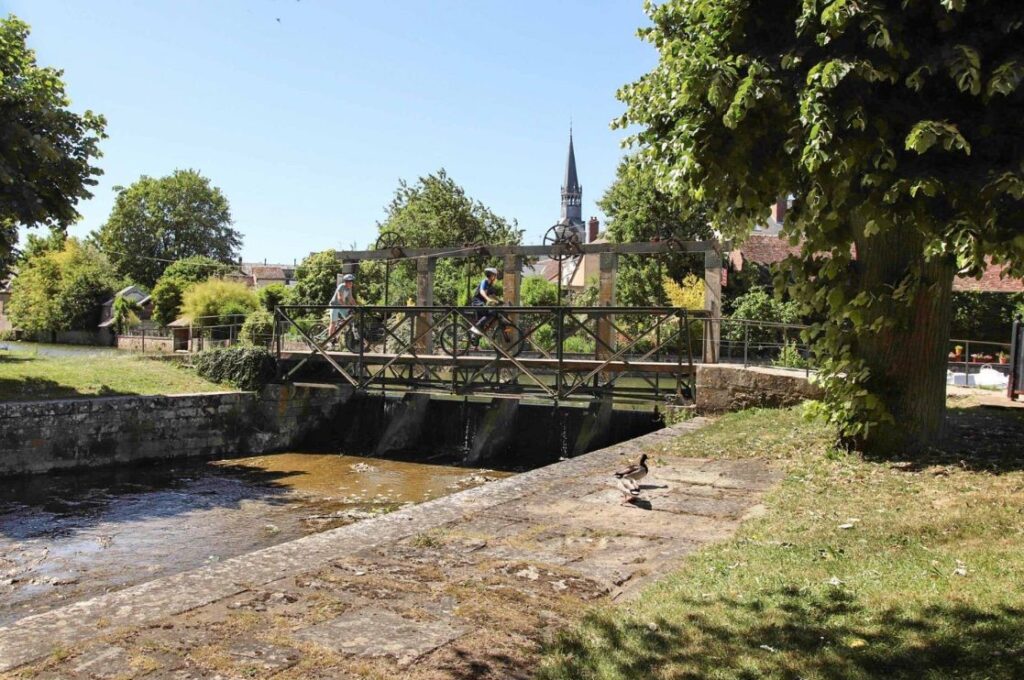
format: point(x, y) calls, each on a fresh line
point(858, 568)
point(25, 376)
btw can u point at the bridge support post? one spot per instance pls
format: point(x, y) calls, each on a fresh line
point(596, 426)
point(712, 305)
point(609, 265)
point(512, 279)
point(425, 267)
point(495, 431)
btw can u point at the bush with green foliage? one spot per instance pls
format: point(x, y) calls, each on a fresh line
point(176, 278)
point(984, 316)
point(62, 289)
point(247, 368)
point(790, 356)
point(216, 301)
point(536, 291)
point(273, 295)
point(760, 305)
point(124, 313)
point(258, 329)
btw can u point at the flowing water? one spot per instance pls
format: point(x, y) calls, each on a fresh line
point(65, 538)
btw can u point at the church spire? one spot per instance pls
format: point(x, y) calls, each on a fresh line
point(572, 192)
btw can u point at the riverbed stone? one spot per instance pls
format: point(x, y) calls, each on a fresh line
point(254, 656)
point(106, 661)
point(375, 632)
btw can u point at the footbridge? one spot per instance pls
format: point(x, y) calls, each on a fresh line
point(556, 353)
point(561, 353)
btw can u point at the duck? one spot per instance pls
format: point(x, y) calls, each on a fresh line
point(636, 472)
point(629, 489)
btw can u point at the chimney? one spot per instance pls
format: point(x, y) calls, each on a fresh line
point(779, 210)
point(592, 226)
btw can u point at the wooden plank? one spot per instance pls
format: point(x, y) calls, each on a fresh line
point(534, 251)
point(712, 305)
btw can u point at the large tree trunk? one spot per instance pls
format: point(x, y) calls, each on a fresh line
point(907, 362)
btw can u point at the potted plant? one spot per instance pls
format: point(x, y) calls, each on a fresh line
point(1004, 358)
point(958, 353)
point(977, 357)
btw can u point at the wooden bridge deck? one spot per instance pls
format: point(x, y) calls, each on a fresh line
point(482, 359)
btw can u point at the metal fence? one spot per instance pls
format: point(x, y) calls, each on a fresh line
point(556, 352)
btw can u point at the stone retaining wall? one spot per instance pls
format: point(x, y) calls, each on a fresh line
point(69, 433)
point(721, 387)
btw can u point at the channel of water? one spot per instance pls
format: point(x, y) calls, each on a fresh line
point(65, 538)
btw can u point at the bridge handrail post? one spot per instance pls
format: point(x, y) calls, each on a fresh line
point(560, 333)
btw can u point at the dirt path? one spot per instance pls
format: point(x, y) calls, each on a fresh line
point(462, 587)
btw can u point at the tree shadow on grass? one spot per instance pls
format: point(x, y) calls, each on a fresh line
point(979, 438)
point(795, 634)
point(42, 389)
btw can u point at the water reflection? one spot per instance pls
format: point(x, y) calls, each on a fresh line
point(68, 537)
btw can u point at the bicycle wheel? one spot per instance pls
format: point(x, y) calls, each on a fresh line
point(453, 339)
point(509, 338)
point(318, 332)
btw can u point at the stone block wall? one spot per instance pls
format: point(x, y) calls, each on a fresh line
point(70, 433)
point(721, 387)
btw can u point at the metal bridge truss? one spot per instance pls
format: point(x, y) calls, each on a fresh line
point(555, 353)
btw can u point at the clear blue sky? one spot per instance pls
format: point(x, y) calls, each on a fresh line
point(306, 113)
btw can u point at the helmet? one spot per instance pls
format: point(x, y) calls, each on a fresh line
point(491, 270)
point(348, 277)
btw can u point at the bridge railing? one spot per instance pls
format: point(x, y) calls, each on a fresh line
point(557, 352)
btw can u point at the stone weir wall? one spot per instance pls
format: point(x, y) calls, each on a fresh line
point(70, 433)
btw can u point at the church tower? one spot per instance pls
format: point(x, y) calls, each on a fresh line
point(572, 197)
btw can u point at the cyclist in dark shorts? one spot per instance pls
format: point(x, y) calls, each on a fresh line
point(483, 296)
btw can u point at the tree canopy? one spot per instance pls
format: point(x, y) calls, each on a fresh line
point(156, 221)
point(316, 278)
point(435, 212)
point(46, 150)
point(896, 127)
point(62, 289)
point(638, 211)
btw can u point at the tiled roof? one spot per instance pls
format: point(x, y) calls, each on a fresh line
point(272, 271)
point(765, 249)
point(762, 249)
point(992, 281)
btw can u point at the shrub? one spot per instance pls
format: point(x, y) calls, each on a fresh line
point(688, 294)
point(273, 295)
point(760, 305)
point(258, 329)
point(578, 345)
point(208, 302)
point(247, 368)
point(179, 276)
point(790, 357)
point(537, 291)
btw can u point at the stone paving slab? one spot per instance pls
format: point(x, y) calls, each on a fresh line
point(484, 568)
point(374, 632)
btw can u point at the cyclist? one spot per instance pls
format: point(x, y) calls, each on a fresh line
point(341, 302)
point(483, 296)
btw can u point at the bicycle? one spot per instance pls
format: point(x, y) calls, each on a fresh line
point(373, 333)
point(455, 337)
